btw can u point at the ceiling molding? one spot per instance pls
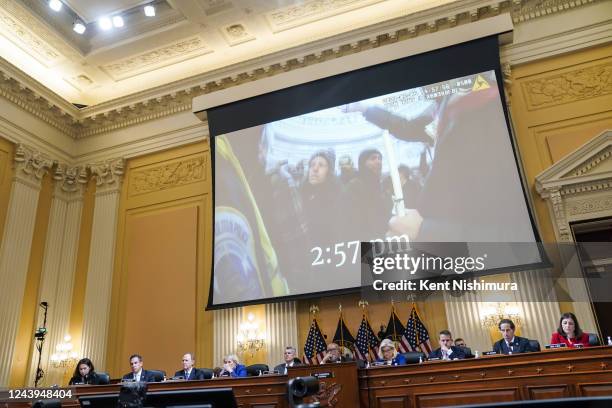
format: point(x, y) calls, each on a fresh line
point(176, 97)
point(34, 36)
point(157, 58)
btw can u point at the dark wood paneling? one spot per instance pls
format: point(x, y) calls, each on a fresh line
point(393, 402)
point(442, 398)
point(594, 390)
point(548, 391)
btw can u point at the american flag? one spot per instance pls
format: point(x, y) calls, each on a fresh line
point(315, 346)
point(416, 336)
point(366, 344)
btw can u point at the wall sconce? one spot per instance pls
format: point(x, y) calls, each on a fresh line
point(490, 316)
point(249, 338)
point(64, 357)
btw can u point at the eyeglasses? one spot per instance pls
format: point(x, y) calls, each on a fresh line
point(332, 349)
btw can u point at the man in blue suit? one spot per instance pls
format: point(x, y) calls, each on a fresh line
point(232, 367)
point(510, 344)
point(447, 351)
point(189, 372)
point(138, 373)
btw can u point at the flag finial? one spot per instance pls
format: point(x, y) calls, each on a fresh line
point(314, 309)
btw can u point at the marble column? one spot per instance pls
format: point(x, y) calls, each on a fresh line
point(281, 330)
point(96, 308)
point(59, 263)
point(30, 168)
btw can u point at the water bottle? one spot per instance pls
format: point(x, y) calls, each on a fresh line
point(609, 341)
point(476, 354)
point(260, 373)
point(420, 359)
point(367, 364)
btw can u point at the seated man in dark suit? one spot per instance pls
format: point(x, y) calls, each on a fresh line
point(334, 355)
point(138, 374)
point(189, 372)
point(510, 344)
point(447, 351)
point(290, 360)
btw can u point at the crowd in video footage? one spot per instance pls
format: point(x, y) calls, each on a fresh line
point(406, 164)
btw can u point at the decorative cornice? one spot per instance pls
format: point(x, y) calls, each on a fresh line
point(137, 113)
point(585, 168)
point(525, 10)
point(176, 97)
point(108, 175)
point(30, 101)
point(579, 188)
point(31, 165)
point(570, 86)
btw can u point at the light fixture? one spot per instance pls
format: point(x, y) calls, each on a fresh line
point(249, 338)
point(149, 11)
point(79, 27)
point(64, 357)
point(118, 21)
point(105, 23)
point(55, 5)
point(490, 316)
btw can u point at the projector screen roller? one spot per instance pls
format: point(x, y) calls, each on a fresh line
point(295, 197)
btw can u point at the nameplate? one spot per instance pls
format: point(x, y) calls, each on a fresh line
point(555, 346)
point(578, 345)
point(322, 376)
point(489, 353)
point(435, 359)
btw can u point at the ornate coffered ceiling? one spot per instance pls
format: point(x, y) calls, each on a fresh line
point(154, 66)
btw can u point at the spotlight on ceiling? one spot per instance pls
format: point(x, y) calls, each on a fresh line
point(118, 21)
point(149, 11)
point(79, 27)
point(55, 5)
point(105, 23)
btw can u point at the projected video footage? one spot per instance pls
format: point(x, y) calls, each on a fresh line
point(294, 198)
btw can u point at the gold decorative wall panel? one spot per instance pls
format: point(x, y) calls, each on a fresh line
point(558, 105)
point(569, 86)
point(187, 170)
point(166, 194)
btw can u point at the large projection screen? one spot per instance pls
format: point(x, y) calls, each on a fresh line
point(303, 175)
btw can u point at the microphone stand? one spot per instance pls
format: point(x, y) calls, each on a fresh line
point(40, 341)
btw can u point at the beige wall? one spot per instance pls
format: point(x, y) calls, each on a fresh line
point(161, 279)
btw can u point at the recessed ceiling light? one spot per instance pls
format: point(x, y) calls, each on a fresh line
point(118, 21)
point(149, 11)
point(79, 27)
point(55, 5)
point(105, 23)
